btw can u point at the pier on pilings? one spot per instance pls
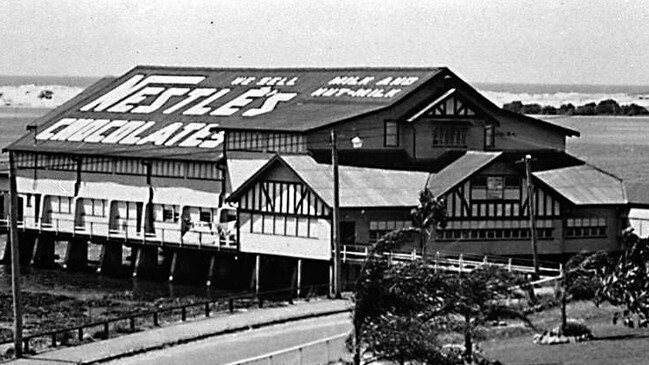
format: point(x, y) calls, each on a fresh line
point(110, 259)
point(76, 255)
point(145, 261)
point(43, 254)
point(187, 266)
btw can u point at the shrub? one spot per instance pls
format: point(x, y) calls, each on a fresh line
point(576, 329)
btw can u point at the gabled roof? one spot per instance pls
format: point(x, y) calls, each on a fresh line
point(460, 170)
point(545, 121)
point(169, 99)
point(585, 185)
point(243, 165)
point(359, 187)
point(637, 193)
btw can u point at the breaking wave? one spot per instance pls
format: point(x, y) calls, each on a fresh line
point(51, 95)
point(36, 96)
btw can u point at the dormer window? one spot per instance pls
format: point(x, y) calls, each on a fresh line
point(449, 136)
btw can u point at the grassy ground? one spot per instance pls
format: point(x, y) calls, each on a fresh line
point(612, 344)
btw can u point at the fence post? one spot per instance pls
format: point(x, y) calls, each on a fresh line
point(132, 323)
point(54, 339)
point(183, 314)
point(155, 318)
point(509, 265)
point(344, 253)
point(207, 309)
point(414, 254)
point(436, 261)
point(485, 260)
point(80, 333)
point(327, 346)
point(461, 263)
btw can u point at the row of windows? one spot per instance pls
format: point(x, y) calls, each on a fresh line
point(504, 223)
point(503, 233)
point(179, 169)
point(379, 229)
point(265, 141)
point(283, 198)
point(585, 227)
point(280, 225)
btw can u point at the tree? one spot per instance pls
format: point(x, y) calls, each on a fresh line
point(567, 109)
point(580, 280)
point(472, 298)
point(608, 107)
point(627, 282)
point(401, 309)
point(514, 106)
point(395, 307)
point(427, 217)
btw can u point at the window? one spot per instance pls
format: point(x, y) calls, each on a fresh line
point(205, 216)
point(379, 229)
point(489, 136)
point(169, 214)
point(94, 207)
point(585, 227)
point(492, 234)
point(283, 225)
point(391, 134)
point(449, 136)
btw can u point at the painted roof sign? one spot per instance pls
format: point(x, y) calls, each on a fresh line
point(185, 107)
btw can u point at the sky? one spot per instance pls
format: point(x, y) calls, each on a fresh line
point(509, 41)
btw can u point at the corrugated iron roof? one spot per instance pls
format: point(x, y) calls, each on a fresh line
point(242, 166)
point(637, 193)
point(459, 170)
point(360, 187)
point(290, 100)
point(585, 185)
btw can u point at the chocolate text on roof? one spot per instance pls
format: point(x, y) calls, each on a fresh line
point(246, 96)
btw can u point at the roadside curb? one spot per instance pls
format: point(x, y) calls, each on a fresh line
point(213, 334)
point(185, 332)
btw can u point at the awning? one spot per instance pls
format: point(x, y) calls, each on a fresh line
point(113, 191)
point(185, 197)
point(58, 187)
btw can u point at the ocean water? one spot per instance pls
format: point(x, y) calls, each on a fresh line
point(27, 92)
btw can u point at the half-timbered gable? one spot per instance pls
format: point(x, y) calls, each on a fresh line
point(286, 206)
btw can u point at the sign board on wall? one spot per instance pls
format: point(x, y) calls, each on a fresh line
point(494, 187)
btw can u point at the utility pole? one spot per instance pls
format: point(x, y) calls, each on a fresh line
point(335, 232)
point(530, 208)
point(15, 259)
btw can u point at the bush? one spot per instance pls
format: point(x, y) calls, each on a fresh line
point(576, 329)
point(584, 288)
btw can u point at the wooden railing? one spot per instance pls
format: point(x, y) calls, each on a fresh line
point(129, 232)
point(103, 329)
point(454, 262)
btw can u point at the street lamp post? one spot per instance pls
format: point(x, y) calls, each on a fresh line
point(357, 142)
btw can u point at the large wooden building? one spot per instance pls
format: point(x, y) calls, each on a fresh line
point(150, 160)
